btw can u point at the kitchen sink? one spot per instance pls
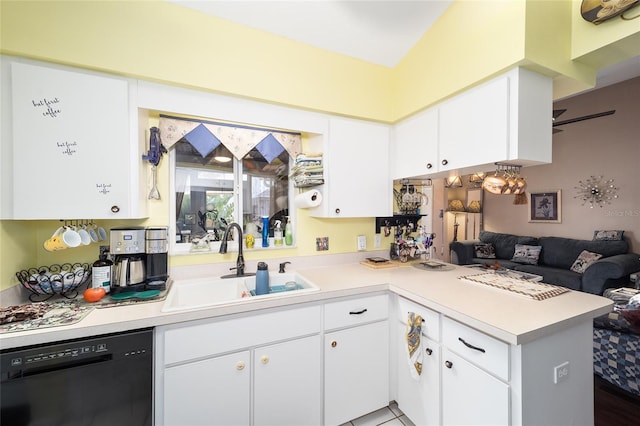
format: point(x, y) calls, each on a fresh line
point(205, 292)
point(282, 283)
point(202, 292)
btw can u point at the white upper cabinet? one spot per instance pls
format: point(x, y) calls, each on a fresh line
point(76, 145)
point(507, 119)
point(473, 127)
point(414, 145)
point(356, 170)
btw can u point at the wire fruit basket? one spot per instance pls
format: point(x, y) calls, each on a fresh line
point(45, 282)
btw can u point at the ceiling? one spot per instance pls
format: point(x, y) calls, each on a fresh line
point(379, 31)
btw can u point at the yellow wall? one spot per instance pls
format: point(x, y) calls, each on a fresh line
point(472, 42)
point(162, 42)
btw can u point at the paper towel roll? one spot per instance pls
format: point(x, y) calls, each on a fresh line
point(308, 199)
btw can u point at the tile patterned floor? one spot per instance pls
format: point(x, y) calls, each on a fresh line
point(387, 416)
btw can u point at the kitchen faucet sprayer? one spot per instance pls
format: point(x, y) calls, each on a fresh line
point(240, 260)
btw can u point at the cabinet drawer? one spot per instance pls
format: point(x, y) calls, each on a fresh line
point(206, 339)
point(431, 326)
point(355, 311)
point(485, 351)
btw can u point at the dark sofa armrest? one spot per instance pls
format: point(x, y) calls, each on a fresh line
point(462, 252)
point(615, 269)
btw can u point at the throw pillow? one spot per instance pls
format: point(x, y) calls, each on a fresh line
point(615, 321)
point(607, 235)
point(631, 311)
point(526, 254)
point(484, 251)
point(584, 260)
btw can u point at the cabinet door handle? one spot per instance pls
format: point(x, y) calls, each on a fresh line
point(470, 346)
point(264, 359)
point(334, 344)
point(240, 365)
point(337, 211)
point(358, 312)
point(429, 165)
point(448, 364)
point(115, 209)
point(429, 351)
point(445, 162)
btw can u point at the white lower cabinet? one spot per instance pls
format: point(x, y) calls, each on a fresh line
point(356, 359)
point(356, 372)
point(288, 383)
point(471, 396)
point(464, 378)
point(419, 398)
point(258, 369)
point(217, 391)
point(214, 391)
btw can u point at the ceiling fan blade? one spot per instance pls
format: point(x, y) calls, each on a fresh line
point(558, 112)
point(584, 117)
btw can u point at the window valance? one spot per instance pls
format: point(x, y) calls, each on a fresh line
point(205, 136)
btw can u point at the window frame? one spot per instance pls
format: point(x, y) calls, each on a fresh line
point(180, 248)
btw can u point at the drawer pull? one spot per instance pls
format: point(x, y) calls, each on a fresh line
point(429, 351)
point(358, 312)
point(264, 359)
point(240, 365)
point(448, 364)
point(471, 346)
point(334, 344)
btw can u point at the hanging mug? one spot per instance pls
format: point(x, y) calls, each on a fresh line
point(64, 237)
point(85, 238)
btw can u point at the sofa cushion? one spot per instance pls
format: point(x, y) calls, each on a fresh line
point(505, 243)
point(584, 260)
point(607, 235)
point(491, 262)
point(555, 276)
point(562, 252)
point(484, 251)
point(526, 254)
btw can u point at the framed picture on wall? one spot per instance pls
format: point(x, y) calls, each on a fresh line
point(545, 207)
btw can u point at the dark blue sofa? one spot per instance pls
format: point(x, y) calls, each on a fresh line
point(556, 258)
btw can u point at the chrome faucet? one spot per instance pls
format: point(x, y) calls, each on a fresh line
point(240, 260)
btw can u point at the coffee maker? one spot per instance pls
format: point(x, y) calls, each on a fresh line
point(156, 249)
point(127, 246)
point(140, 259)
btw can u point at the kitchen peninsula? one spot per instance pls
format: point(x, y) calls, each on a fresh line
point(524, 339)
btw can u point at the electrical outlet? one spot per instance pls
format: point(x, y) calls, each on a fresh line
point(561, 372)
point(362, 242)
point(377, 241)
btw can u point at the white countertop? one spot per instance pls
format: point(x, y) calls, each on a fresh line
point(510, 317)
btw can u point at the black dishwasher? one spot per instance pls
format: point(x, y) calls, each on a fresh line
point(99, 380)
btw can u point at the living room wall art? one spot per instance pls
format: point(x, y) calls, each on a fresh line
point(545, 207)
point(597, 191)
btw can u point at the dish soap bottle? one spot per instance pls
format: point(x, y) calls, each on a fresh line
point(262, 279)
point(288, 232)
point(265, 231)
point(277, 234)
point(101, 273)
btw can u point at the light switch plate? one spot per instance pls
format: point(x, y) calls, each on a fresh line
point(362, 242)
